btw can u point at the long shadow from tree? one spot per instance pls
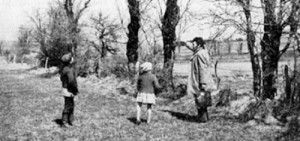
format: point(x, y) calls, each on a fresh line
point(44, 75)
point(48, 74)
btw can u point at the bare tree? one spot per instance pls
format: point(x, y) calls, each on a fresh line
point(244, 24)
point(246, 6)
point(73, 22)
point(24, 42)
point(292, 84)
point(169, 23)
point(51, 33)
point(133, 31)
point(276, 19)
point(40, 35)
point(278, 15)
point(107, 35)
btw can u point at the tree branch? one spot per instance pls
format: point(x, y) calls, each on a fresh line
point(82, 9)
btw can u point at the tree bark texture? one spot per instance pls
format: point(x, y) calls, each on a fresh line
point(103, 54)
point(133, 40)
point(229, 47)
point(274, 24)
point(288, 84)
point(169, 23)
point(270, 53)
point(72, 26)
point(254, 58)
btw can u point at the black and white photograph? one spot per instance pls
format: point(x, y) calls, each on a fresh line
point(150, 70)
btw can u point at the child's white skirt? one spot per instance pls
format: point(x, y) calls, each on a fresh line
point(147, 98)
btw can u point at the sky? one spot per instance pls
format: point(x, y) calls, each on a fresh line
point(14, 13)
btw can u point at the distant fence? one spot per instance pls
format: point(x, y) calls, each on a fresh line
point(237, 49)
point(216, 49)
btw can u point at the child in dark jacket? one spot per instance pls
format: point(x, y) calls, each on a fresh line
point(146, 85)
point(69, 88)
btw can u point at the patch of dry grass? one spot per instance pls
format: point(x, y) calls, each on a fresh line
point(30, 104)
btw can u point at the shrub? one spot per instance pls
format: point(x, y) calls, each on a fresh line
point(85, 65)
point(30, 59)
point(179, 91)
point(114, 65)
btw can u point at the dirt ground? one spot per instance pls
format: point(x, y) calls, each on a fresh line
point(31, 105)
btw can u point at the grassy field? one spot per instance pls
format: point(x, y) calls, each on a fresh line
point(30, 106)
point(228, 68)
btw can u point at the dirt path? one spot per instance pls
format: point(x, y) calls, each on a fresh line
point(30, 105)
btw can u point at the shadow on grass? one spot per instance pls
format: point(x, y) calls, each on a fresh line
point(59, 122)
point(183, 116)
point(32, 68)
point(48, 75)
point(133, 120)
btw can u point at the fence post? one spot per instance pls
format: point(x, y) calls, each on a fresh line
point(46, 63)
point(288, 98)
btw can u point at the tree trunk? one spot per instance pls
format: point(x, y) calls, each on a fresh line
point(219, 49)
point(133, 40)
point(14, 58)
point(103, 50)
point(254, 58)
point(216, 74)
point(169, 23)
point(100, 67)
point(103, 54)
point(215, 48)
point(72, 29)
point(270, 53)
point(229, 47)
point(288, 88)
point(73, 19)
point(240, 49)
point(46, 62)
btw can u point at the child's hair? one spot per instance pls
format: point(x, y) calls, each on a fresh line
point(145, 67)
point(67, 58)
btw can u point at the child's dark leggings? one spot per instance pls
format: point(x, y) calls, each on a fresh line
point(203, 114)
point(68, 112)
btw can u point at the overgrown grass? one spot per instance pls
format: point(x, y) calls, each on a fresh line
point(31, 104)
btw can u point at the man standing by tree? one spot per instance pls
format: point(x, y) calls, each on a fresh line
point(200, 78)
